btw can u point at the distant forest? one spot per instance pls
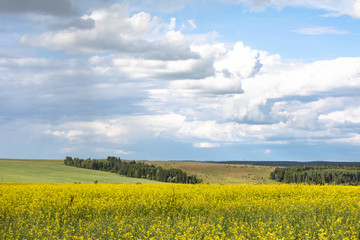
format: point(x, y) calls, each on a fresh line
point(286, 163)
point(133, 169)
point(318, 174)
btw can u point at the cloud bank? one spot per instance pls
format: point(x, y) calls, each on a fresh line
point(136, 77)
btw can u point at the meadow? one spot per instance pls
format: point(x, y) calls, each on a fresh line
point(174, 211)
point(219, 173)
point(54, 171)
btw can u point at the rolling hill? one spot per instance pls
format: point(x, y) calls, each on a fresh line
point(221, 173)
point(54, 171)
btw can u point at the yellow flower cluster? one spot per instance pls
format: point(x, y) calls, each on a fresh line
point(170, 211)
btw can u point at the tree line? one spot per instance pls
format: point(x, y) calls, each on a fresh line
point(324, 174)
point(134, 169)
point(286, 163)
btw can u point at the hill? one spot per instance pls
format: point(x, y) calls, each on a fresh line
point(222, 173)
point(54, 171)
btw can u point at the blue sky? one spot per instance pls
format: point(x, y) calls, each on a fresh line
point(177, 80)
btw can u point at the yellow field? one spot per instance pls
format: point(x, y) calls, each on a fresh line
point(169, 211)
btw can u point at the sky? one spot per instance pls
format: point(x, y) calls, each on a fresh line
point(269, 80)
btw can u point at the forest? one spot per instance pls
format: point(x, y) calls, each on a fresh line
point(134, 169)
point(286, 163)
point(324, 174)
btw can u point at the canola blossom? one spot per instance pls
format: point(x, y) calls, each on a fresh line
point(171, 211)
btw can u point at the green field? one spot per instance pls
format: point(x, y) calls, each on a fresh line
point(54, 171)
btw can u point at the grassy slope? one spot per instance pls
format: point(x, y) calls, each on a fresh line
point(54, 171)
point(222, 173)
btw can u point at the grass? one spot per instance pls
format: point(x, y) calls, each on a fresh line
point(54, 171)
point(222, 173)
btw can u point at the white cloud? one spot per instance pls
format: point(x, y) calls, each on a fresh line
point(223, 72)
point(192, 24)
point(351, 115)
point(351, 138)
point(120, 129)
point(334, 7)
point(292, 80)
point(261, 98)
point(245, 80)
point(320, 31)
point(80, 132)
point(241, 61)
point(123, 152)
point(137, 68)
point(355, 10)
point(206, 145)
point(139, 35)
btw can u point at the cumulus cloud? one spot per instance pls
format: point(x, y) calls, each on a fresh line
point(48, 7)
point(221, 74)
point(241, 61)
point(349, 115)
point(257, 97)
point(212, 95)
point(112, 30)
point(165, 69)
point(292, 80)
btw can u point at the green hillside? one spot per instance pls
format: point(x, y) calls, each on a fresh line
point(54, 171)
point(220, 173)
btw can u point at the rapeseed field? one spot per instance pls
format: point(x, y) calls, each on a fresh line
point(170, 211)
